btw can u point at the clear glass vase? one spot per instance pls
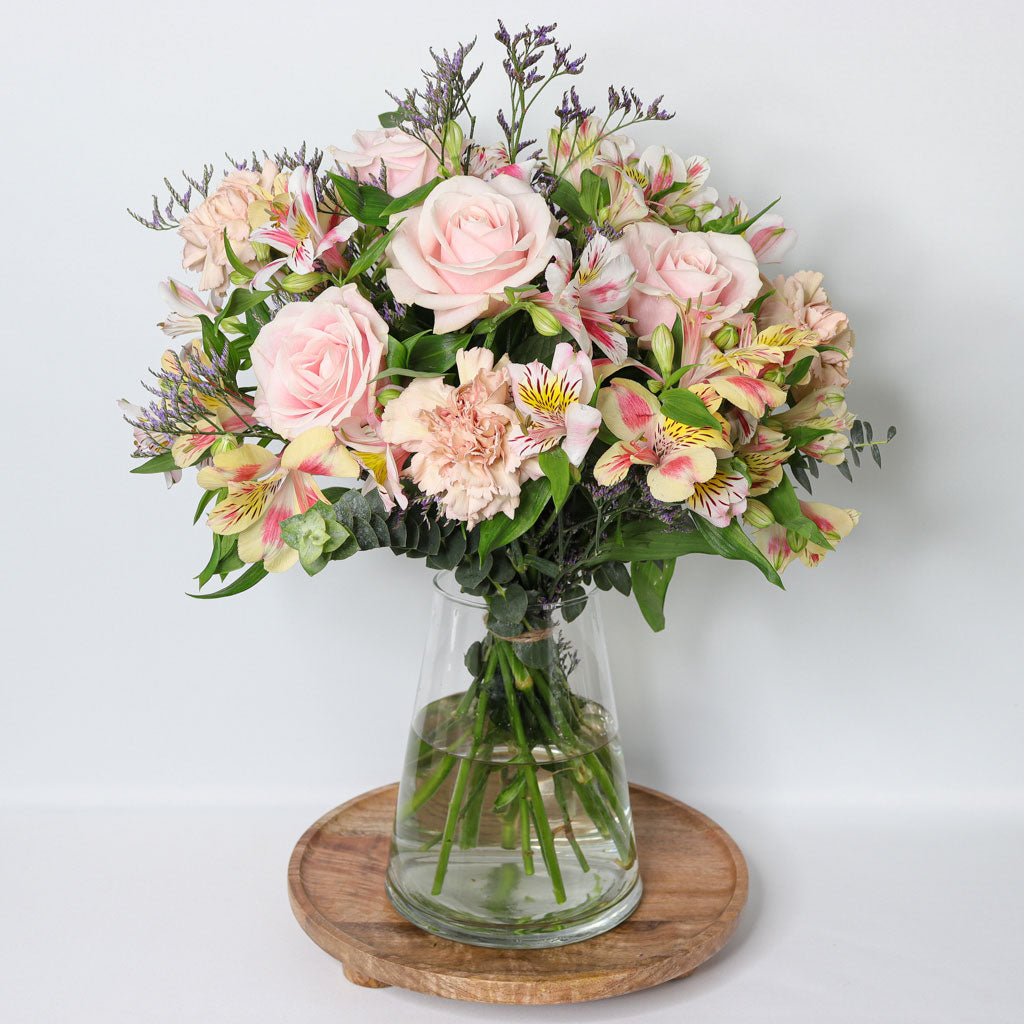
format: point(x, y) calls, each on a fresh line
point(513, 826)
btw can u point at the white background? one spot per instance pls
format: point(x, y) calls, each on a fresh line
point(859, 734)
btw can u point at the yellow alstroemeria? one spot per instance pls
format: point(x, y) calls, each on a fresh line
point(265, 489)
point(777, 545)
point(763, 456)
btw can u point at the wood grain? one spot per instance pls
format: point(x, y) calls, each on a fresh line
point(695, 885)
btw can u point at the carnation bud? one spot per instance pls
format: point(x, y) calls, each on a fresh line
point(544, 321)
point(387, 395)
point(664, 348)
point(727, 338)
point(758, 514)
point(296, 284)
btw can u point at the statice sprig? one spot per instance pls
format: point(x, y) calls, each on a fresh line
point(164, 217)
point(430, 113)
point(524, 53)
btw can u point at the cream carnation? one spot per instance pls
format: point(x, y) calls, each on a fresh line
point(467, 243)
point(315, 363)
point(226, 209)
point(460, 438)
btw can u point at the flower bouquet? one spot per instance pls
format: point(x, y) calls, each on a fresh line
point(543, 371)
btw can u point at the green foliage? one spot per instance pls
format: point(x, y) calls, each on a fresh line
point(650, 584)
point(554, 465)
point(246, 581)
point(316, 534)
point(162, 463)
point(500, 530)
point(785, 506)
point(685, 407)
point(434, 354)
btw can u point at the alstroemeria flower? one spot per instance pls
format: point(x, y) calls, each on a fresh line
point(768, 236)
point(679, 458)
point(763, 454)
point(583, 303)
point(553, 404)
point(266, 489)
point(186, 308)
point(777, 545)
point(721, 497)
point(824, 409)
point(300, 233)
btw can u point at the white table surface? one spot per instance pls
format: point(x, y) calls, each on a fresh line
point(180, 915)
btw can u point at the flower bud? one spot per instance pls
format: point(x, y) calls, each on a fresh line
point(388, 395)
point(296, 284)
point(758, 514)
point(775, 376)
point(544, 321)
point(225, 443)
point(664, 348)
point(453, 142)
point(726, 338)
point(795, 541)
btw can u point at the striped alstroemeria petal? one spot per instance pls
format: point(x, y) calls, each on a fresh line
point(721, 497)
point(317, 451)
point(239, 465)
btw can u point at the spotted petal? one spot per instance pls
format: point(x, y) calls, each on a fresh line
point(721, 497)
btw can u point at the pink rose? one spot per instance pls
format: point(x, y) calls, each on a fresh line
point(713, 272)
point(314, 363)
point(407, 161)
point(467, 243)
point(226, 209)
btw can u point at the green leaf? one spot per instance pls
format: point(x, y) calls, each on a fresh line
point(435, 353)
point(574, 603)
point(785, 506)
point(650, 584)
point(685, 407)
point(543, 565)
point(501, 530)
point(369, 256)
point(205, 500)
point(241, 300)
point(410, 199)
point(246, 581)
point(565, 196)
point(554, 465)
point(348, 193)
point(511, 605)
point(397, 355)
point(799, 436)
point(731, 542)
point(206, 573)
point(738, 229)
point(391, 119)
point(590, 193)
point(645, 539)
point(511, 792)
point(235, 262)
point(618, 576)
point(162, 463)
point(799, 370)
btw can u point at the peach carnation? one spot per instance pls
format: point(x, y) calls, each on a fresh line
point(226, 209)
point(460, 438)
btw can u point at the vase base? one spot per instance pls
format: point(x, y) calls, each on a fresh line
point(695, 885)
point(526, 936)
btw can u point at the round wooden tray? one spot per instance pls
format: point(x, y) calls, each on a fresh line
point(695, 885)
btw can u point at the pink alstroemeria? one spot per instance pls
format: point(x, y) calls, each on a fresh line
point(722, 497)
point(300, 233)
point(553, 404)
point(777, 545)
point(186, 308)
point(266, 489)
point(583, 303)
point(768, 237)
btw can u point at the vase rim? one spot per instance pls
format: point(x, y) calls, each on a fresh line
point(446, 585)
